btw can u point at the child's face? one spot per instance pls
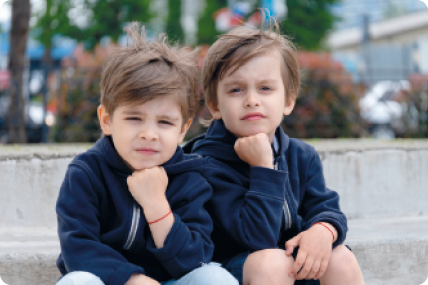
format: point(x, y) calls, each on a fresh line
point(252, 99)
point(145, 135)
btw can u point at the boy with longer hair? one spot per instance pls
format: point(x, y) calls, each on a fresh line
point(131, 208)
point(269, 195)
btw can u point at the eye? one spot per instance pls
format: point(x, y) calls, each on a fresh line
point(163, 122)
point(266, 88)
point(132, 119)
point(235, 90)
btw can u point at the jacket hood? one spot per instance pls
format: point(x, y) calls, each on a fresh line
point(179, 162)
point(218, 142)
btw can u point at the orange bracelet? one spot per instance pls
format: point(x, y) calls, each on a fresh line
point(326, 228)
point(160, 218)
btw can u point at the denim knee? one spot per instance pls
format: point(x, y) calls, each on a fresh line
point(208, 274)
point(80, 278)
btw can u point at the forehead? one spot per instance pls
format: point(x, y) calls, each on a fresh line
point(265, 66)
point(169, 104)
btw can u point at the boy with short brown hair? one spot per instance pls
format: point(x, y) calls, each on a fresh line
point(269, 195)
point(131, 209)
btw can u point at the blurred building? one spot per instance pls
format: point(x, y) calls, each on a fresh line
point(374, 44)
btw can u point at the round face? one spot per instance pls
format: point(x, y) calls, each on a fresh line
point(145, 135)
point(252, 99)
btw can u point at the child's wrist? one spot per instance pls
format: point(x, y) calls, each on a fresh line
point(330, 228)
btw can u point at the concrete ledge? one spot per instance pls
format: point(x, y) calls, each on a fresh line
point(389, 251)
point(373, 178)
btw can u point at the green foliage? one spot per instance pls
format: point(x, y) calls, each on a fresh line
point(173, 24)
point(78, 99)
point(308, 22)
point(53, 21)
point(110, 17)
point(207, 33)
point(416, 114)
point(322, 110)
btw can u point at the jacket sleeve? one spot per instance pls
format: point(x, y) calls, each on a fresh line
point(249, 212)
point(188, 245)
point(321, 204)
point(79, 232)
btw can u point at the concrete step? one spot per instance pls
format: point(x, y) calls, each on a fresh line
point(28, 255)
point(390, 252)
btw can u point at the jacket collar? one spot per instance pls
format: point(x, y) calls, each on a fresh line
point(219, 143)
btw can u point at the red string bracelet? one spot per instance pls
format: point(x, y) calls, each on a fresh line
point(160, 218)
point(326, 228)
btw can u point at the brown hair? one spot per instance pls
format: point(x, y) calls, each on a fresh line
point(237, 47)
point(145, 70)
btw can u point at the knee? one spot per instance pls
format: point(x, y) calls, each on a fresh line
point(269, 265)
point(80, 278)
point(212, 274)
point(343, 261)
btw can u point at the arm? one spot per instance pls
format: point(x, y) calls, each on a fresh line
point(79, 232)
point(148, 188)
point(321, 204)
point(324, 225)
point(188, 244)
point(250, 214)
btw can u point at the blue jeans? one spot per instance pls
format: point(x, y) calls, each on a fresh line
point(208, 274)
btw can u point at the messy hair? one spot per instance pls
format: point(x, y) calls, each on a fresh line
point(235, 48)
point(144, 70)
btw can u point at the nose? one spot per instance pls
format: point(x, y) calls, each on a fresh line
point(251, 99)
point(149, 133)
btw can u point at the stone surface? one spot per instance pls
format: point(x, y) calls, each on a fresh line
point(383, 182)
point(389, 251)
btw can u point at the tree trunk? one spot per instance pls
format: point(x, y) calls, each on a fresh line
point(18, 43)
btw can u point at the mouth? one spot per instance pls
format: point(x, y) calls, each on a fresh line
point(253, 117)
point(147, 151)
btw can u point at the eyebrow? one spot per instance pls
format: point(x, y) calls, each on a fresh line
point(240, 81)
point(169, 118)
point(162, 117)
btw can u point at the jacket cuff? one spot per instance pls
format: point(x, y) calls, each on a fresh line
point(122, 274)
point(268, 182)
point(340, 227)
point(173, 243)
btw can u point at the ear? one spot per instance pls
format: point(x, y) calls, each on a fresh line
point(289, 106)
point(104, 119)
point(214, 111)
point(184, 130)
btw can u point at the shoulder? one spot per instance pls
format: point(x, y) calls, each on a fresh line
point(301, 150)
point(89, 163)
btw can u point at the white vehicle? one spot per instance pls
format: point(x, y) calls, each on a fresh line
point(380, 108)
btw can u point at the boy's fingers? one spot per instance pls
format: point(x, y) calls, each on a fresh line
point(294, 242)
point(289, 250)
point(323, 268)
point(306, 269)
point(298, 264)
point(314, 270)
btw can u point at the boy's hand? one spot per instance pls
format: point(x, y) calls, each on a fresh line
point(255, 150)
point(148, 186)
point(315, 246)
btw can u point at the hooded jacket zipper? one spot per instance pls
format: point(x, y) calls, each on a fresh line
point(286, 209)
point(134, 226)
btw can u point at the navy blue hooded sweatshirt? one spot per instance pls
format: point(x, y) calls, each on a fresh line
point(102, 228)
point(256, 208)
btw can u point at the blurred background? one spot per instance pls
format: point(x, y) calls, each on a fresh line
point(364, 63)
